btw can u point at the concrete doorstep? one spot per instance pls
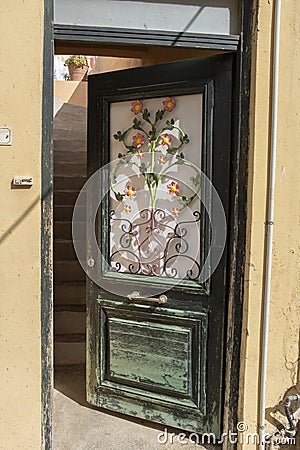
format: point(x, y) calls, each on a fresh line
point(80, 426)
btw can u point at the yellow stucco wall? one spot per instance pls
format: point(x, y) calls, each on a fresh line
point(21, 37)
point(283, 352)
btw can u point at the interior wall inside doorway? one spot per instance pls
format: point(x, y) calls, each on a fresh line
point(70, 158)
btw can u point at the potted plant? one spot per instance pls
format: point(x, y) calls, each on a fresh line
point(78, 67)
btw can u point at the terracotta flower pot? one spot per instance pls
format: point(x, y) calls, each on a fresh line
point(77, 73)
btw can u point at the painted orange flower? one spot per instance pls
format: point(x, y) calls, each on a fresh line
point(161, 160)
point(140, 153)
point(169, 104)
point(175, 212)
point(130, 191)
point(165, 140)
point(173, 188)
point(127, 208)
point(137, 107)
point(138, 140)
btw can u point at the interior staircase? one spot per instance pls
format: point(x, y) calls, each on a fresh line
point(69, 278)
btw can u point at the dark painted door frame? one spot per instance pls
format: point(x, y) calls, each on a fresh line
point(237, 225)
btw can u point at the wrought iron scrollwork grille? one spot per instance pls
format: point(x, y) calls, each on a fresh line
point(150, 246)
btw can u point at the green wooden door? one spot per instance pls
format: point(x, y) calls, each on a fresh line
point(157, 294)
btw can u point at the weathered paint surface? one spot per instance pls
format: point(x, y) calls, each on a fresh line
point(21, 35)
point(283, 354)
point(155, 354)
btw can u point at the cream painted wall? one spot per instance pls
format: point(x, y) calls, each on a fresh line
point(73, 92)
point(21, 37)
point(283, 354)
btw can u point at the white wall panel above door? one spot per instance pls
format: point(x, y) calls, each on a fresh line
point(190, 16)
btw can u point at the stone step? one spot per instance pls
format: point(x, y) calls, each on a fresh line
point(65, 197)
point(65, 213)
point(69, 182)
point(69, 322)
point(64, 250)
point(68, 271)
point(63, 230)
point(72, 308)
point(69, 293)
point(70, 338)
point(70, 168)
point(69, 353)
point(64, 137)
point(67, 156)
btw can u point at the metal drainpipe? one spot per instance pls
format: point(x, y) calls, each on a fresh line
point(269, 225)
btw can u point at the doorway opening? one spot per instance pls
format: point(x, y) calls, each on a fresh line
point(70, 173)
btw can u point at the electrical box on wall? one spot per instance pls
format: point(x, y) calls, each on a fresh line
point(22, 181)
point(5, 136)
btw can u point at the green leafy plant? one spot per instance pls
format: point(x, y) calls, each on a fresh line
point(77, 60)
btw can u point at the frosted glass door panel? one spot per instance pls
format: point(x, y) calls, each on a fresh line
point(155, 209)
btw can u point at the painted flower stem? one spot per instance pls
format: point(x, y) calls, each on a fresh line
point(156, 138)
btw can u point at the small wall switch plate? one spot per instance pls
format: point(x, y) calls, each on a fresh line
point(5, 136)
point(22, 181)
